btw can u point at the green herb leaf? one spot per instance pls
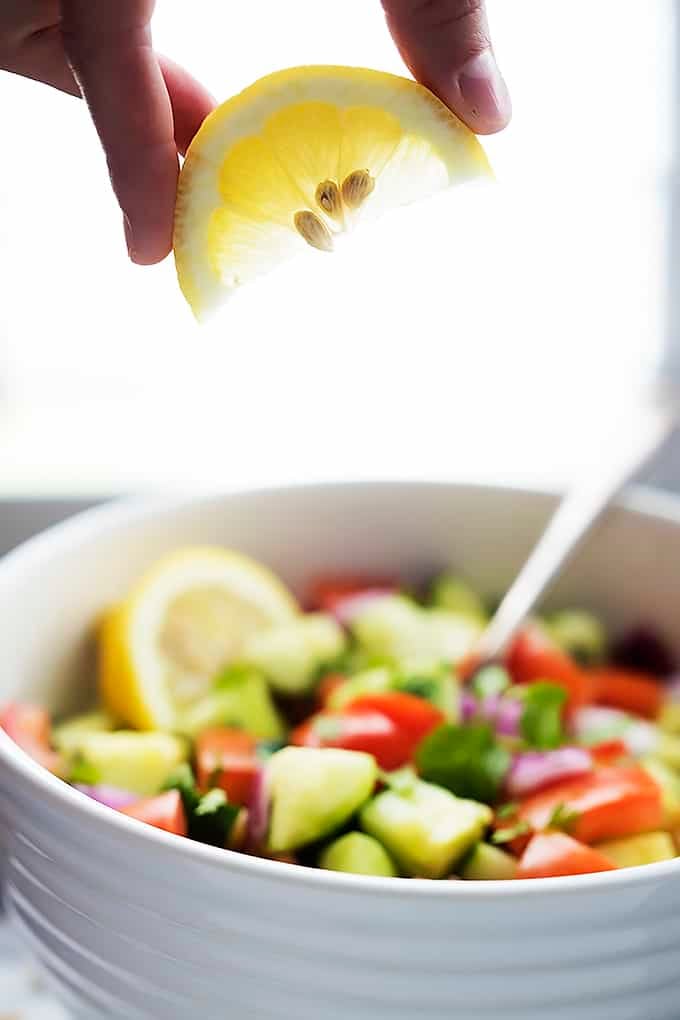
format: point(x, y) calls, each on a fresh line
point(507, 810)
point(563, 817)
point(182, 779)
point(213, 818)
point(233, 676)
point(506, 835)
point(83, 772)
point(490, 681)
point(467, 760)
point(421, 686)
point(541, 721)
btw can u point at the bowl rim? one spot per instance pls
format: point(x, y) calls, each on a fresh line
point(639, 500)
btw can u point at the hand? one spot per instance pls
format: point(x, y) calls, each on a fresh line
point(147, 109)
point(446, 45)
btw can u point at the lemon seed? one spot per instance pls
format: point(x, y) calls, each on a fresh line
point(313, 230)
point(356, 188)
point(328, 198)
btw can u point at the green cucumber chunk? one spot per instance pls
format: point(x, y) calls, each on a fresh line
point(397, 629)
point(241, 699)
point(358, 854)
point(579, 634)
point(486, 863)
point(648, 848)
point(68, 736)
point(291, 654)
point(314, 791)
point(425, 828)
point(454, 593)
point(139, 762)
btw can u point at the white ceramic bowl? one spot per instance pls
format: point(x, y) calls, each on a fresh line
point(134, 923)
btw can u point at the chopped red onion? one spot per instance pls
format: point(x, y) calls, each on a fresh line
point(533, 770)
point(258, 810)
point(503, 713)
point(109, 796)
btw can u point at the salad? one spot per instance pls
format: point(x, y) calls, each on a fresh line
point(359, 733)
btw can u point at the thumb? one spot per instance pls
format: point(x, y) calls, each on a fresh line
point(446, 45)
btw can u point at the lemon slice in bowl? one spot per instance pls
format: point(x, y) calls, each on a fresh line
point(190, 615)
point(299, 158)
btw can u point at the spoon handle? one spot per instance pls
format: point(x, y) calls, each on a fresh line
point(645, 429)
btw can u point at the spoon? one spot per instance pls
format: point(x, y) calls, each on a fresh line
point(647, 424)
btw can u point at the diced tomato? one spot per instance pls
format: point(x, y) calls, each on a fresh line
point(639, 693)
point(412, 715)
point(328, 686)
point(533, 657)
point(326, 592)
point(227, 759)
point(608, 752)
point(367, 731)
point(30, 728)
point(551, 854)
point(468, 666)
point(163, 812)
point(609, 803)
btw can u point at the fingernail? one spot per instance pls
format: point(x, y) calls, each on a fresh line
point(484, 92)
point(129, 239)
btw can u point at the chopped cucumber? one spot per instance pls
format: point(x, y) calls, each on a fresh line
point(669, 719)
point(669, 784)
point(68, 736)
point(139, 762)
point(359, 854)
point(242, 700)
point(314, 791)
point(397, 629)
point(291, 654)
point(633, 851)
point(486, 863)
point(425, 828)
point(454, 593)
point(371, 681)
point(578, 633)
point(667, 750)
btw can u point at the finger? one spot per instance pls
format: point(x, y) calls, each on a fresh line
point(446, 45)
point(109, 48)
point(191, 103)
point(41, 57)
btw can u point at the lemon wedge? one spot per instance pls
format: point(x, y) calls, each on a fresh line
point(188, 617)
point(299, 158)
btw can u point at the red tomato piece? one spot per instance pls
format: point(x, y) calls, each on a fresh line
point(227, 759)
point(163, 812)
point(609, 803)
point(608, 752)
point(551, 854)
point(639, 693)
point(326, 592)
point(30, 728)
point(328, 686)
point(371, 732)
point(409, 713)
point(533, 657)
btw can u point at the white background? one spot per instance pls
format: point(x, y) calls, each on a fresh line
point(485, 334)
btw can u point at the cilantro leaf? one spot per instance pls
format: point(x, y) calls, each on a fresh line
point(507, 834)
point(421, 686)
point(563, 817)
point(508, 810)
point(182, 780)
point(467, 760)
point(213, 818)
point(541, 720)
